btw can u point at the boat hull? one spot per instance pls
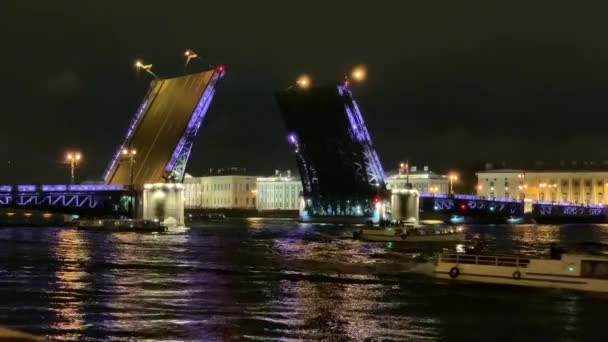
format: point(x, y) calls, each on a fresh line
point(398, 235)
point(121, 225)
point(519, 271)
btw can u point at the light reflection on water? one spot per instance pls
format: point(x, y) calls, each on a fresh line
point(276, 280)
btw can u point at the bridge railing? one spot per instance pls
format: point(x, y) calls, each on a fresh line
point(61, 187)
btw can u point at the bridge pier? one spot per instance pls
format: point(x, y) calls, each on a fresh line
point(164, 202)
point(405, 206)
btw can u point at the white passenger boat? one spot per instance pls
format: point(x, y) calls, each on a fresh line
point(578, 270)
point(410, 234)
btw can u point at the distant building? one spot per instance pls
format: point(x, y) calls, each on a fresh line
point(422, 180)
point(575, 186)
point(279, 192)
point(220, 191)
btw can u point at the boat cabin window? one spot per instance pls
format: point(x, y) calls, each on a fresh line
point(594, 269)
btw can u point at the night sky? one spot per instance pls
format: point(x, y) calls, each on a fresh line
point(449, 82)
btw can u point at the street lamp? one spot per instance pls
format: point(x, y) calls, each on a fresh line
point(452, 178)
point(303, 81)
point(72, 158)
point(189, 56)
point(543, 186)
point(522, 185)
point(359, 73)
point(146, 67)
point(130, 153)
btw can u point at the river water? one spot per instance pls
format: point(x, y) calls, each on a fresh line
point(278, 280)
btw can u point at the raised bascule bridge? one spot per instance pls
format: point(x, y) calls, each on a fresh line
point(153, 154)
point(341, 173)
point(343, 179)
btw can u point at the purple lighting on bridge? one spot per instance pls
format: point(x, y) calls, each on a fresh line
point(54, 188)
point(6, 188)
point(292, 138)
point(26, 188)
point(64, 188)
point(195, 122)
point(136, 119)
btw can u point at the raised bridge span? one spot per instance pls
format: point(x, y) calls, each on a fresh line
point(163, 129)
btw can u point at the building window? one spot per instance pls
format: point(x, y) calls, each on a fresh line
point(236, 200)
point(247, 199)
point(246, 187)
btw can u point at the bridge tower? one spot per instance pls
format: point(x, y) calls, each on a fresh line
point(341, 173)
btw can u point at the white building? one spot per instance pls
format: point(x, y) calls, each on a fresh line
point(577, 186)
point(220, 192)
point(280, 192)
point(423, 181)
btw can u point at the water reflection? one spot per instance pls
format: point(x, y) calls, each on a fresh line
point(71, 253)
point(275, 280)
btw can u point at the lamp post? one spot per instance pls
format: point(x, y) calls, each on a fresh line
point(452, 178)
point(190, 55)
point(72, 159)
point(522, 185)
point(146, 67)
point(303, 81)
point(541, 186)
point(130, 153)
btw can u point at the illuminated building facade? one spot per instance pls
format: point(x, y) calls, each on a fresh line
point(423, 181)
point(280, 192)
point(220, 192)
point(579, 186)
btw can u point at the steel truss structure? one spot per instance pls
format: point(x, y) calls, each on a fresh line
point(176, 168)
point(572, 210)
point(184, 100)
point(340, 170)
point(358, 131)
point(102, 199)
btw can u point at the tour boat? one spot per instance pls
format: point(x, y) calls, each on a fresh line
point(410, 234)
point(578, 270)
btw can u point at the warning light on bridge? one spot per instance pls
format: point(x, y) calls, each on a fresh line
point(463, 206)
point(220, 68)
point(376, 199)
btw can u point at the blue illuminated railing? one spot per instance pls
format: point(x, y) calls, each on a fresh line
point(62, 188)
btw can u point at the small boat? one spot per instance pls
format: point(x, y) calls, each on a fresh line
point(580, 269)
point(122, 225)
point(410, 234)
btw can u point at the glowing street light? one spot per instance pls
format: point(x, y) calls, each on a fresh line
point(359, 73)
point(452, 178)
point(303, 81)
point(72, 158)
point(146, 67)
point(130, 153)
point(189, 56)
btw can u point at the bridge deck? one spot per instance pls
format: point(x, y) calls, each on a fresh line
point(158, 127)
